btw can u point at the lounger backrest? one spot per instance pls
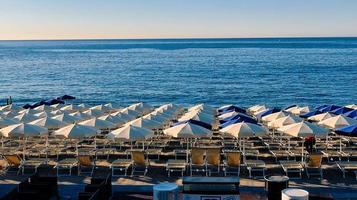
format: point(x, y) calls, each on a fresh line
point(85, 160)
point(213, 156)
point(315, 160)
point(233, 158)
point(138, 157)
point(13, 160)
point(197, 156)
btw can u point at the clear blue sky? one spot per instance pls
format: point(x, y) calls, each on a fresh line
point(63, 19)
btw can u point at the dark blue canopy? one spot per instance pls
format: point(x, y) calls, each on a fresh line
point(347, 130)
point(320, 107)
point(199, 123)
point(234, 121)
point(329, 108)
point(26, 106)
point(341, 110)
point(242, 117)
point(53, 101)
point(230, 109)
point(311, 113)
point(66, 97)
point(267, 112)
point(287, 107)
point(352, 113)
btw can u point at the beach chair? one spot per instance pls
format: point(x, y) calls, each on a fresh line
point(313, 166)
point(15, 161)
point(292, 167)
point(347, 166)
point(65, 165)
point(174, 165)
point(232, 163)
point(139, 162)
point(120, 165)
point(86, 165)
point(255, 166)
point(213, 160)
point(198, 160)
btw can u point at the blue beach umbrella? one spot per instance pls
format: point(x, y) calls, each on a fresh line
point(347, 131)
point(267, 112)
point(196, 122)
point(352, 114)
point(321, 107)
point(329, 108)
point(236, 116)
point(311, 113)
point(230, 109)
point(238, 120)
point(341, 110)
point(66, 97)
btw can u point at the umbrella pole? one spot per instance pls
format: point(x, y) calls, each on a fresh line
point(2, 141)
point(289, 144)
point(46, 148)
point(77, 148)
point(340, 144)
point(302, 152)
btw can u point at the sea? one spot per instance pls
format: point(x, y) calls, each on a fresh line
point(271, 71)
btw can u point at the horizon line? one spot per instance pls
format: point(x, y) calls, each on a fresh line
point(179, 38)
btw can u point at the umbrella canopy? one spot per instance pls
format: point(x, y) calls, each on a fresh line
point(56, 112)
point(81, 116)
point(44, 113)
point(57, 105)
point(303, 129)
point(8, 114)
point(237, 120)
point(257, 108)
point(187, 130)
point(132, 113)
point(198, 116)
point(341, 110)
point(337, 122)
point(274, 116)
point(351, 114)
point(23, 130)
point(66, 97)
point(227, 114)
point(241, 116)
point(76, 131)
point(10, 107)
point(157, 117)
point(244, 129)
point(230, 108)
point(4, 122)
point(328, 108)
point(49, 123)
point(347, 131)
point(298, 110)
point(130, 132)
point(140, 107)
point(29, 111)
point(145, 123)
point(199, 123)
point(65, 117)
point(283, 121)
point(267, 112)
point(321, 117)
point(113, 119)
point(203, 108)
point(290, 106)
point(94, 112)
point(123, 116)
point(98, 124)
point(44, 108)
point(309, 114)
point(24, 117)
point(353, 106)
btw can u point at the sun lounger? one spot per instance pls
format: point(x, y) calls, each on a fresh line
point(120, 165)
point(292, 167)
point(347, 166)
point(313, 166)
point(65, 164)
point(86, 165)
point(231, 164)
point(198, 160)
point(213, 160)
point(175, 166)
point(21, 165)
point(278, 154)
point(255, 166)
point(140, 163)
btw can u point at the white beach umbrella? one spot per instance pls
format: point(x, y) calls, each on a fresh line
point(244, 129)
point(57, 106)
point(94, 112)
point(163, 113)
point(132, 113)
point(23, 130)
point(44, 108)
point(187, 130)
point(259, 111)
point(130, 132)
point(274, 116)
point(157, 117)
point(65, 117)
point(47, 122)
point(24, 117)
point(101, 108)
point(141, 107)
point(56, 112)
point(113, 119)
point(145, 123)
point(300, 110)
point(29, 111)
point(98, 123)
point(123, 116)
point(44, 113)
point(71, 108)
point(353, 106)
point(337, 121)
point(4, 122)
point(257, 108)
point(203, 108)
point(81, 116)
point(76, 131)
point(8, 114)
point(283, 121)
point(203, 117)
point(303, 129)
point(83, 106)
point(228, 114)
point(321, 117)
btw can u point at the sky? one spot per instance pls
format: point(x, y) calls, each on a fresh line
point(108, 19)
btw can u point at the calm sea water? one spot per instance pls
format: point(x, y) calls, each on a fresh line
point(276, 72)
